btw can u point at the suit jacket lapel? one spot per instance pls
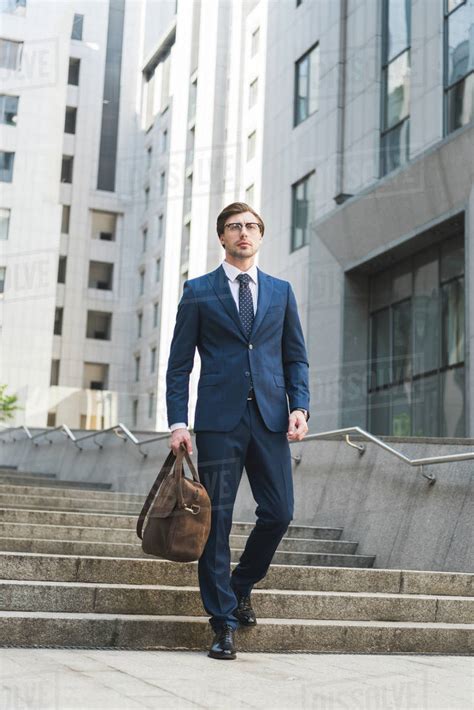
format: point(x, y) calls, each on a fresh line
point(265, 288)
point(220, 284)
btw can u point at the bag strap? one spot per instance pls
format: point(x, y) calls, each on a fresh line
point(165, 470)
point(171, 460)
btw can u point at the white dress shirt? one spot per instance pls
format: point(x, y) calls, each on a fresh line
point(232, 272)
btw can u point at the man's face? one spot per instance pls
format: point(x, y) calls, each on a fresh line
point(243, 243)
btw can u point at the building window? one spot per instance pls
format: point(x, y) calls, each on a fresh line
point(192, 100)
point(299, 2)
point(3, 275)
point(101, 275)
point(70, 120)
point(190, 146)
point(156, 311)
point(157, 270)
point(254, 42)
point(10, 54)
point(66, 168)
point(458, 64)
point(73, 73)
point(303, 199)
point(96, 376)
point(77, 25)
point(251, 141)
point(306, 85)
point(135, 412)
point(99, 325)
point(182, 280)
point(4, 222)
point(188, 193)
point(151, 404)
point(51, 419)
point(147, 197)
point(58, 321)
point(249, 194)
point(62, 269)
point(164, 141)
point(137, 368)
point(160, 226)
point(104, 225)
point(139, 324)
point(141, 282)
point(149, 154)
point(416, 341)
point(253, 91)
point(8, 109)
point(162, 183)
point(6, 166)
point(153, 359)
point(13, 6)
point(54, 378)
point(144, 239)
point(185, 243)
point(396, 37)
point(65, 217)
point(156, 84)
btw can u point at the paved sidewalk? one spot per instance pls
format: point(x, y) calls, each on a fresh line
point(86, 679)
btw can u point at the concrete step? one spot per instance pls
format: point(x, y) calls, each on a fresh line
point(33, 629)
point(69, 489)
point(116, 535)
point(110, 549)
point(44, 480)
point(13, 471)
point(78, 503)
point(86, 598)
point(128, 522)
point(109, 570)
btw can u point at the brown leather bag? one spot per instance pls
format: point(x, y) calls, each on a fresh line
point(179, 520)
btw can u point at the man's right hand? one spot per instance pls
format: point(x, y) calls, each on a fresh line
point(179, 436)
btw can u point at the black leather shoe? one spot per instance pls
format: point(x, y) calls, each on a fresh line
point(223, 644)
point(244, 612)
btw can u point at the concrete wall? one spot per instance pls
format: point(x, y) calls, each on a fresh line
point(381, 502)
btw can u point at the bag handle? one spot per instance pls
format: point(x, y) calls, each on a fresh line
point(171, 460)
point(179, 473)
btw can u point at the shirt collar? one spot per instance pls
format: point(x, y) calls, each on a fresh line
point(232, 271)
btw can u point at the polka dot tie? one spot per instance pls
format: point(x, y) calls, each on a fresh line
point(245, 303)
point(246, 307)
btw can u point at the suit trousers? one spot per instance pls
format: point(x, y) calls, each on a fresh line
point(221, 458)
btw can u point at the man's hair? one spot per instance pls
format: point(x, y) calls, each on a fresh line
point(236, 208)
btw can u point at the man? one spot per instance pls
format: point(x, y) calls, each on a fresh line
point(246, 327)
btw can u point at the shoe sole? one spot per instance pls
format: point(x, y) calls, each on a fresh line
point(222, 658)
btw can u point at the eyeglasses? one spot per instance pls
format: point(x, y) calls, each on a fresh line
point(251, 227)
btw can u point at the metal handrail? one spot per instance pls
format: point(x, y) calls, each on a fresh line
point(119, 430)
point(124, 433)
point(446, 458)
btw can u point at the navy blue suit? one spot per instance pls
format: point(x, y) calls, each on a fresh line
point(232, 431)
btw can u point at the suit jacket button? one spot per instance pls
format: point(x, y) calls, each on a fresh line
point(247, 374)
point(250, 346)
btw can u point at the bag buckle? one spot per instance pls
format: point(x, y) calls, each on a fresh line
point(194, 509)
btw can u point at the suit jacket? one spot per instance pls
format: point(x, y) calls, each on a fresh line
point(274, 355)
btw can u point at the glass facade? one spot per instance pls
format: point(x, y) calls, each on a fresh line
point(306, 85)
point(458, 64)
point(416, 344)
point(395, 134)
point(302, 211)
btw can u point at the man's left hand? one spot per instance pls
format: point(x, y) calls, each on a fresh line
point(297, 426)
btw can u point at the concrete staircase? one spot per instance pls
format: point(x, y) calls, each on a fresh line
point(73, 574)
